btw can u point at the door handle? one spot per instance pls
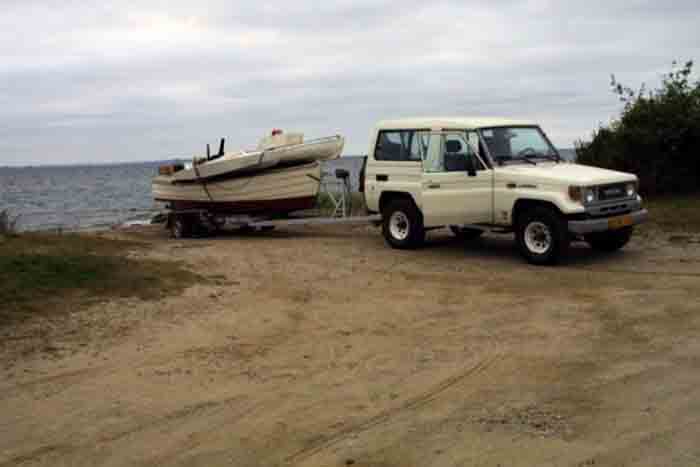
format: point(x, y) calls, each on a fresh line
point(433, 186)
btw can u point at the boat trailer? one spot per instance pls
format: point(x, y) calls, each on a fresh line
point(197, 222)
point(200, 222)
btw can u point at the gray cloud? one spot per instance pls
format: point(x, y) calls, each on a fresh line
point(115, 81)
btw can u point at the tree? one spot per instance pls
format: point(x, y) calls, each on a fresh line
point(657, 135)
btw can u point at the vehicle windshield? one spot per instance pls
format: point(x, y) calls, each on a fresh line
point(521, 144)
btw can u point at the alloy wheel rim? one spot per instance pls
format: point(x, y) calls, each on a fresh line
point(538, 237)
point(399, 225)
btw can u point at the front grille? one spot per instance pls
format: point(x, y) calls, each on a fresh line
point(613, 208)
point(611, 192)
point(610, 211)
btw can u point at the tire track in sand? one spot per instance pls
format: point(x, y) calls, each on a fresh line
point(48, 383)
point(413, 403)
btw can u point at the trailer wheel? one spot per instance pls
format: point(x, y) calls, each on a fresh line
point(216, 224)
point(181, 226)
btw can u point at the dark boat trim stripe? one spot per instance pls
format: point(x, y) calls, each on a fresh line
point(245, 174)
point(276, 206)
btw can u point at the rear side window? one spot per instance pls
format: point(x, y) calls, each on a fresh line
point(404, 145)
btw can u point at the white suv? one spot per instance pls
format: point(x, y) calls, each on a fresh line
point(475, 175)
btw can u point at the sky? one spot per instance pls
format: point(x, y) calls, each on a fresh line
point(109, 81)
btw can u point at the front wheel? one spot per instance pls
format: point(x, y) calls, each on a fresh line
point(611, 240)
point(402, 225)
point(542, 236)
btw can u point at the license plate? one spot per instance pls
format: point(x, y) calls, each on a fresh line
point(619, 222)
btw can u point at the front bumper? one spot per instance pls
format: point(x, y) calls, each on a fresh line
point(604, 224)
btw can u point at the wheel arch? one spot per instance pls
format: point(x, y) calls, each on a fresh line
point(388, 196)
point(523, 205)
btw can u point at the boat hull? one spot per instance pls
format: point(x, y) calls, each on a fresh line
point(278, 190)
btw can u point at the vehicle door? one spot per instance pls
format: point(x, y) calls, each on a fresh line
point(457, 184)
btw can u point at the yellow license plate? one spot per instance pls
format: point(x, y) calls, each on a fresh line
point(619, 222)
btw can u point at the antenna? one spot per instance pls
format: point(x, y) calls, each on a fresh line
point(208, 152)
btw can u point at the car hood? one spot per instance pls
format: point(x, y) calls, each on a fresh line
point(564, 173)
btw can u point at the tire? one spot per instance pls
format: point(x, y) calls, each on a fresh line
point(611, 240)
point(402, 224)
point(181, 226)
point(542, 236)
point(216, 225)
point(464, 233)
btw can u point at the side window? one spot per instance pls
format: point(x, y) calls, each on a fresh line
point(407, 145)
point(456, 155)
point(419, 145)
point(389, 146)
point(497, 142)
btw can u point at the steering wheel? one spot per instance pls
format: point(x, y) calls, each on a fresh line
point(527, 150)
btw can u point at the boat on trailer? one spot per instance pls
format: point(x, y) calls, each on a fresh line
point(279, 190)
point(280, 176)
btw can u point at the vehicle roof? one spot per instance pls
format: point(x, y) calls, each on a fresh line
point(450, 123)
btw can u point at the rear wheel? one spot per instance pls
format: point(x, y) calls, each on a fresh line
point(611, 240)
point(465, 233)
point(402, 225)
point(542, 236)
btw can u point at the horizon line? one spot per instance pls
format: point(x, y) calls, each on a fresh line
point(151, 161)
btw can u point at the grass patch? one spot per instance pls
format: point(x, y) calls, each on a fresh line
point(42, 273)
point(675, 213)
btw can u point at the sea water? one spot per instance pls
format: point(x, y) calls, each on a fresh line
point(92, 196)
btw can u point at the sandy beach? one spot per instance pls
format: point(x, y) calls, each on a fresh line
point(323, 347)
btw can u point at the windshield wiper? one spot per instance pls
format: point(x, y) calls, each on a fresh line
point(527, 159)
point(551, 156)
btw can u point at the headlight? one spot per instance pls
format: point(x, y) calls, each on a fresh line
point(631, 189)
point(581, 194)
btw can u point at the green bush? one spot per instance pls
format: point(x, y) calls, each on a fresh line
point(657, 135)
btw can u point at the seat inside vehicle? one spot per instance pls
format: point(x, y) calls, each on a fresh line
point(455, 159)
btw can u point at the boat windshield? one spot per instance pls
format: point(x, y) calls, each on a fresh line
point(518, 144)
